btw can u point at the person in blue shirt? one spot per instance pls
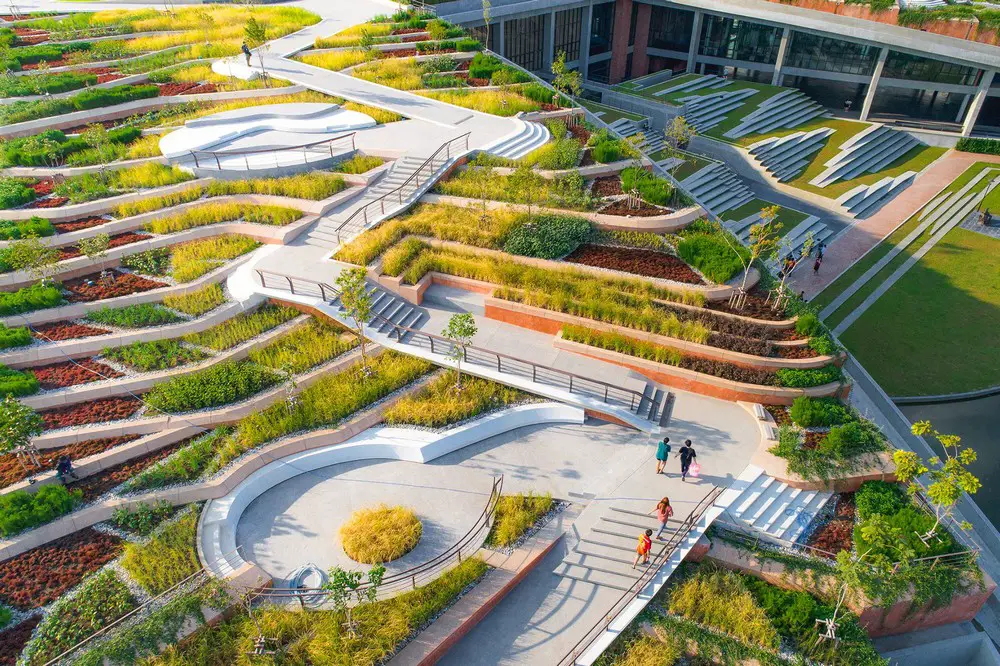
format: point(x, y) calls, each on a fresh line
point(662, 453)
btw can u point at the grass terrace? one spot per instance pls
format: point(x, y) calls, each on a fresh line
point(608, 114)
point(89, 187)
point(53, 148)
point(515, 515)
point(440, 404)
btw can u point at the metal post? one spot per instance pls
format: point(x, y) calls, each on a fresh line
point(195, 156)
point(246, 161)
point(291, 285)
point(217, 163)
point(432, 343)
point(322, 291)
point(571, 383)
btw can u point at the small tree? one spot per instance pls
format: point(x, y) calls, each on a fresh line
point(567, 81)
point(487, 17)
point(33, 256)
point(942, 481)
point(207, 23)
point(460, 330)
point(779, 257)
point(357, 303)
point(482, 180)
point(525, 184)
point(762, 242)
point(255, 33)
point(679, 133)
point(345, 586)
point(95, 248)
point(18, 424)
point(366, 41)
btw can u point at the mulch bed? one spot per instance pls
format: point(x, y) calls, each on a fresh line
point(104, 74)
point(42, 575)
point(587, 159)
point(837, 533)
point(11, 471)
point(785, 334)
point(580, 133)
point(95, 411)
point(200, 89)
point(407, 31)
point(13, 640)
point(415, 38)
point(405, 53)
point(780, 414)
point(126, 238)
point(756, 307)
point(170, 89)
point(65, 330)
point(607, 186)
point(42, 187)
point(463, 66)
point(90, 287)
point(95, 486)
point(80, 224)
point(30, 36)
point(73, 373)
point(621, 208)
point(48, 202)
point(795, 352)
point(813, 439)
point(51, 63)
point(639, 262)
point(478, 83)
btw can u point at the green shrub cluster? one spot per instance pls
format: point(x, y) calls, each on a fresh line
point(144, 519)
point(548, 236)
point(5, 617)
point(709, 252)
point(94, 98)
point(718, 599)
point(144, 356)
point(35, 226)
point(50, 83)
point(142, 315)
point(14, 337)
point(653, 189)
point(185, 464)
point(166, 559)
point(22, 510)
point(14, 192)
point(484, 65)
point(879, 497)
point(563, 152)
point(220, 384)
point(605, 147)
point(30, 55)
point(809, 412)
point(838, 452)
point(977, 145)
point(440, 404)
point(53, 147)
point(28, 299)
point(808, 377)
point(808, 324)
point(16, 382)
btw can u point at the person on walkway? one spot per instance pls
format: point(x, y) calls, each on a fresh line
point(246, 52)
point(687, 455)
point(64, 470)
point(662, 453)
point(819, 260)
point(642, 549)
point(819, 250)
point(663, 513)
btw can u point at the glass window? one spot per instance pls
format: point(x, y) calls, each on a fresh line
point(916, 68)
point(739, 40)
point(599, 71)
point(670, 28)
point(831, 55)
point(523, 41)
point(601, 28)
point(568, 33)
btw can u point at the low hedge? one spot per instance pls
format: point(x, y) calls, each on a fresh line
point(29, 299)
point(144, 356)
point(94, 98)
point(711, 254)
point(14, 337)
point(548, 236)
point(652, 189)
point(14, 193)
point(16, 229)
point(808, 412)
point(984, 146)
point(808, 377)
point(142, 315)
point(221, 384)
point(22, 510)
point(879, 497)
point(53, 147)
point(16, 383)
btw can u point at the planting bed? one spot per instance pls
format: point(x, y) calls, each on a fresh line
point(94, 486)
point(73, 373)
point(90, 287)
point(97, 411)
point(795, 352)
point(756, 307)
point(12, 472)
point(726, 325)
point(837, 533)
point(13, 640)
point(80, 224)
point(65, 330)
point(639, 262)
point(621, 208)
point(118, 240)
point(607, 186)
point(42, 575)
point(780, 414)
point(104, 74)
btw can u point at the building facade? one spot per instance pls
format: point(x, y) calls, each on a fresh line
point(879, 72)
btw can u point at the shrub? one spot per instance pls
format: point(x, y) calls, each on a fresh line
point(142, 315)
point(16, 383)
point(21, 510)
point(976, 145)
point(144, 519)
point(242, 327)
point(189, 261)
point(380, 534)
point(808, 412)
point(483, 65)
point(185, 464)
point(14, 193)
point(879, 497)
point(143, 356)
point(558, 154)
point(168, 558)
point(439, 404)
point(14, 337)
point(805, 378)
point(149, 262)
point(808, 324)
point(220, 384)
point(468, 44)
point(548, 236)
point(441, 63)
point(304, 347)
point(652, 189)
point(197, 303)
point(15, 229)
point(515, 515)
point(442, 81)
point(718, 599)
point(823, 345)
point(852, 438)
point(29, 299)
point(712, 255)
point(912, 523)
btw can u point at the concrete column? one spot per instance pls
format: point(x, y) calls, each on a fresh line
point(549, 41)
point(695, 39)
point(500, 48)
point(962, 108)
point(585, 29)
point(786, 36)
point(619, 40)
point(640, 60)
point(977, 102)
point(870, 96)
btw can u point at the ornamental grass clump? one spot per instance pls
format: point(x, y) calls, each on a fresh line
point(495, 102)
point(399, 73)
point(14, 337)
point(31, 298)
point(143, 356)
point(197, 303)
point(231, 381)
point(17, 382)
point(338, 60)
point(314, 186)
point(141, 315)
point(359, 164)
point(242, 327)
point(439, 404)
point(380, 533)
point(167, 558)
point(185, 464)
point(214, 213)
point(515, 515)
point(190, 261)
point(305, 347)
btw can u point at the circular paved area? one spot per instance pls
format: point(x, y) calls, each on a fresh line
point(297, 522)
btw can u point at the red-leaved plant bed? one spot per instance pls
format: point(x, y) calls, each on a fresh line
point(12, 472)
point(415, 38)
point(407, 31)
point(42, 575)
point(108, 124)
point(478, 83)
point(463, 66)
point(13, 640)
point(49, 202)
point(813, 439)
point(42, 187)
point(96, 411)
point(580, 133)
point(169, 89)
point(118, 240)
point(780, 414)
point(73, 373)
point(796, 352)
point(98, 484)
point(201, 89)
point(607, 186)
point(837, 533)
point(65, 330)
point(80, 224)
point(91, 288)
point(639, 262)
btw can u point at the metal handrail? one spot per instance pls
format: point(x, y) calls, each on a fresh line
point(409, 578)
point(647, 574)
point(398, 192)
point(305, 147)
point(600, 388)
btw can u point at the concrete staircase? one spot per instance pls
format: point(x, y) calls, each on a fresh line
point(704, 112)
point(867, 152)
point(531, 136)
point(865, 200)
point(773, 509)
point(786, 157)
point(789, 108)
point(652, 140)
point(387, 309)
point(717, 188)
point(700, 83)
point(960, 203)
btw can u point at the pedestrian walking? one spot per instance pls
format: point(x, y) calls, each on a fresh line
point(643, 547)
point(819, 250)
point(819, 260)
point(687, 455)
point(663, 513)
point(662, 453)
point(246, 52)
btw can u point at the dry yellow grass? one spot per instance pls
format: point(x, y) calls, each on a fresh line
point(380, 533)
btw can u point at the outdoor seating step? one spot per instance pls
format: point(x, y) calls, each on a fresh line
point(580, 579)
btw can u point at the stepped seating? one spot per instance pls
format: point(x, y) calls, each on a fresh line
point(786, 157)
point(701, 83)
point(704, 112)
point(868, 152)
point(717, 188)
point(865, 200)
point(652, 141)
point(774, 509)
point(790, 108)
point(792, 242)
point(943, 208)
point(531, 136)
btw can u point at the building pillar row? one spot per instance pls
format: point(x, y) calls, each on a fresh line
point(585, 30)
point(786, 36)
point(978, 99)
point(640, 59)
point(873, 86)
point(549, 41)
point(619, 40)
point(695, 40)
point(500, 48)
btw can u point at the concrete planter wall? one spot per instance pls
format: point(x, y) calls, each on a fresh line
point(67, 171)
point(696, 382)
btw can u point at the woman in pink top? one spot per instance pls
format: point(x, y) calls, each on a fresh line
point(663, 513)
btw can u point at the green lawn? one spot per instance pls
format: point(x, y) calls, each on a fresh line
point(934, 330)
point(631, 87)
point(682, 171)
point(788, 217)
point(608, 114)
